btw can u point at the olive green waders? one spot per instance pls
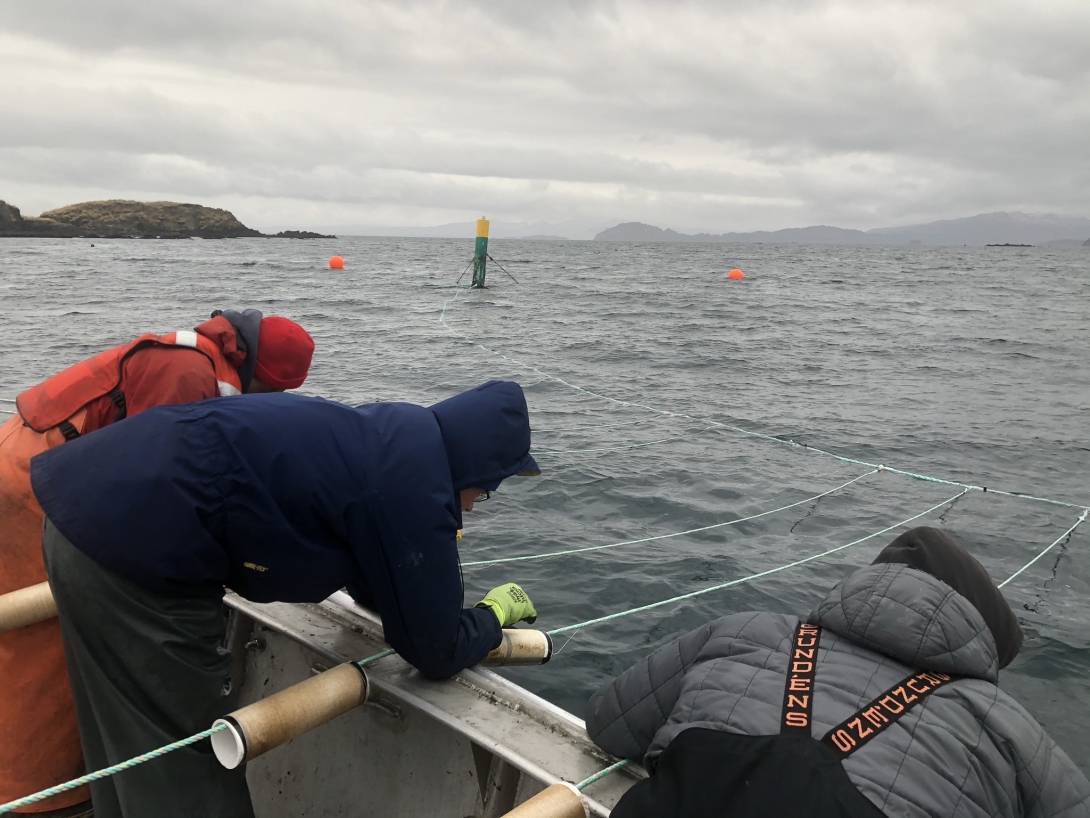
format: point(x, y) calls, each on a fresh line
point(146, 670)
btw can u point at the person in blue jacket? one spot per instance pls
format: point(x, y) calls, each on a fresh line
point(279, 497)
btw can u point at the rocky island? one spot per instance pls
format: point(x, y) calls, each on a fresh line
point(122, 219)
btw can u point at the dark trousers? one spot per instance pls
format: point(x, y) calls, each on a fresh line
point(146, 670)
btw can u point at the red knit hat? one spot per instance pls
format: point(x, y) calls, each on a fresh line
point(284, 350)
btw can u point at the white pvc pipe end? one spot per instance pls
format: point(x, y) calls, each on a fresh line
point(228, 744)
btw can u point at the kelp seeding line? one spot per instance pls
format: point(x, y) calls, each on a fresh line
point(711, 423)
point(559, 792)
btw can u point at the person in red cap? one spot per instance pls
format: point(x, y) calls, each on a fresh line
point(233, 352)
point(284, 350)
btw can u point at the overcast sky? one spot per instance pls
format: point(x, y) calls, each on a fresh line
point(718, 116)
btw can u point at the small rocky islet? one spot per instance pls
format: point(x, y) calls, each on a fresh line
point(124, 219)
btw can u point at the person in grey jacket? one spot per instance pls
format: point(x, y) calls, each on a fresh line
point(883, 702)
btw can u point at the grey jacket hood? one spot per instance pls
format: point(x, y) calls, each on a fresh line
point(935, 552)
point(912, 617)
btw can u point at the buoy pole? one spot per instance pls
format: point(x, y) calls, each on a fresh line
point(26, 606)
point(480, 253)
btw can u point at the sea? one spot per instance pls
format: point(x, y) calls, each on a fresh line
point(666, 397)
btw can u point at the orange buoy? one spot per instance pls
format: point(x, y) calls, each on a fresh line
point(736, 273)
point(336, 263)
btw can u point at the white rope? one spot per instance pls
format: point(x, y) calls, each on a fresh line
point(608, 448)
point(598, 426)
point(758, 575)
point(1046, 550)
point(815, 498)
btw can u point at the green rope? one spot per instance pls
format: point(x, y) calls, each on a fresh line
point(108, 771)
point(733, 428)
point(668, 536)
point(739, 581)
point(586, 782)
point(376, 657)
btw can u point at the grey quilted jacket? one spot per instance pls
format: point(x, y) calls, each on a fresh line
point(968, 749)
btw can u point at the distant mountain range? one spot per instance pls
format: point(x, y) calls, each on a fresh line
point(986, 228)
point(497, 230)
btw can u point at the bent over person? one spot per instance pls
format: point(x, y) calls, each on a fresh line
point(883, 703)
point(281, 498)
point(233, 352)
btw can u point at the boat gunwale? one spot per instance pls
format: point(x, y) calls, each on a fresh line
point(341, 612)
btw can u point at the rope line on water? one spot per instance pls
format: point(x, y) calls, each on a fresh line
point(108, 771)
point(1046, 550)
point(502, 268)
point(758, 575)
point(734, 428)
point(607, 448)
point(586, 782)
point(548, 554)
point(596, 426)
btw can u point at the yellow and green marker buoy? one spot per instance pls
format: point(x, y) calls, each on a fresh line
point(480, 253)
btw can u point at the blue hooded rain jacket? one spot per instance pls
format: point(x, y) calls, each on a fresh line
point(289, 498)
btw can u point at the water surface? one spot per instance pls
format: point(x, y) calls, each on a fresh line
point(963, 363)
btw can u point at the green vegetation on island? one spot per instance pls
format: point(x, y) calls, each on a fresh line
point(123, 219)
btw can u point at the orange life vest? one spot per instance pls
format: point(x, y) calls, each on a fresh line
point(55, 401)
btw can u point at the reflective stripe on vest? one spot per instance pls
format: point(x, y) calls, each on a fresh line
point(58, 398)
point(186, 338)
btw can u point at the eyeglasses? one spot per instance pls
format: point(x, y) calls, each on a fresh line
point(480, 498)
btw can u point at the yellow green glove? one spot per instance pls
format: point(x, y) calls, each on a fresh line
point(510, 604)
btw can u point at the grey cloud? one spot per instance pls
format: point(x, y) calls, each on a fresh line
point(752, 115)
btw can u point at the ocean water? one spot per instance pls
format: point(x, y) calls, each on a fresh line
point(963, 363)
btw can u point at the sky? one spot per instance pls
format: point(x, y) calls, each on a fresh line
point(747, 115)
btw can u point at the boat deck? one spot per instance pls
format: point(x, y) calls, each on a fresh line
point(475, 745)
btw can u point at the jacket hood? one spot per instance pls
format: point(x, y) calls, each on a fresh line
point(935, 552)
point(912, 617)
point(486, 432)
point(219, 330)
point(247, 326)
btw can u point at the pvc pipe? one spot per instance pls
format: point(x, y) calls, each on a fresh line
point(26, 606)
point(277, 719)
point(521, 646)
point(558, 801)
